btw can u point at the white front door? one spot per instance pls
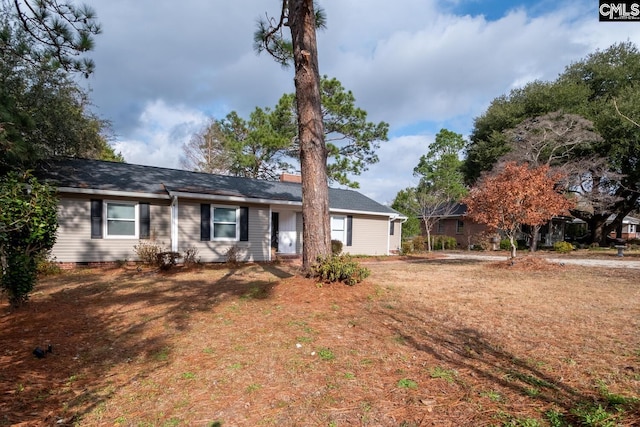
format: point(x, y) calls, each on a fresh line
point(287, 233)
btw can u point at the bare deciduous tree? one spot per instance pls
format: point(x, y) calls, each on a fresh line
point(206, 152)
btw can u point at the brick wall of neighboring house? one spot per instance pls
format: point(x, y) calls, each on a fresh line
point(629, 232)
point(463, 230)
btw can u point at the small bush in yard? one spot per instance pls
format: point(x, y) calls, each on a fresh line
point(563, 247)
point(419, 244)
point(407, 247)
point(148, 251)
point(340, 268)
point(191, 256)
point(336, 247)
point(445, 242)
point(233, 255)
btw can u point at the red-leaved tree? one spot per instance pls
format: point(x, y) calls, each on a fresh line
point(516, 195)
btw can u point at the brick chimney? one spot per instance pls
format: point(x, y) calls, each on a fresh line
point(291, 177)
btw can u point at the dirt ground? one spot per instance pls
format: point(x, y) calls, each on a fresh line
point(422, 342)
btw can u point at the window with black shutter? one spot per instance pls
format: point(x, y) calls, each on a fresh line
point(244, 224)
point(145, 220)
point(96, 219)
point(205, 222)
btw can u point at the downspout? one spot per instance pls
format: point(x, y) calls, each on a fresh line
point(391, 219)
point(174, 219)
point(174, 223)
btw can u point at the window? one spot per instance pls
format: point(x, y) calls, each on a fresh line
point(121, 219)
point(225, 223)
point(339, 228)
point(459, 227)
point(230, 223)
point(440, 226)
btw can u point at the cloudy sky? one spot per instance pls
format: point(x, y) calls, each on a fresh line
point(164, 67)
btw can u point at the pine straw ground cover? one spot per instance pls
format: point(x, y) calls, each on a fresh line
point(421, 342)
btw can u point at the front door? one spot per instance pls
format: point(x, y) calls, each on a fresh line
point(275, 224)
point(287, 232)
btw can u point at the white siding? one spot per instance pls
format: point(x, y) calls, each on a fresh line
point(74, 242)
point(395, 241)
point(256, 249)
point(370, 236)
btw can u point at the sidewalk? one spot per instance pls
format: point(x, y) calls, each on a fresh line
point(588, 262)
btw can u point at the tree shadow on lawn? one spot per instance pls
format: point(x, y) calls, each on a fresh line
point(98, 321)
point(447, 261)
point(472, 354)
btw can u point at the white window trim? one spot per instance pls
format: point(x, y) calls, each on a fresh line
point(213, 224)
point(105, 219)
point(344, 229)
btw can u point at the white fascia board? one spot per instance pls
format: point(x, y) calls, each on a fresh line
point(112, 193)
point(236, 199)
point(351, 211)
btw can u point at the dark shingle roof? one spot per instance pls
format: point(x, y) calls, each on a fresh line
point(130, 178)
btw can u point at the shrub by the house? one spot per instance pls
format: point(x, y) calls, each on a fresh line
point(563, 247)
point(339, 268)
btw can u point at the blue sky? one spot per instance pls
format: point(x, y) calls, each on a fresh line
point(420, 65)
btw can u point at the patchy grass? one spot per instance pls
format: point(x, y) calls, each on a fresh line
point(421, 342)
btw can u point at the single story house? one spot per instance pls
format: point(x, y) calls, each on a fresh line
point(630, 227)
point(468, 233)
point(107, 208)
point(454, 223)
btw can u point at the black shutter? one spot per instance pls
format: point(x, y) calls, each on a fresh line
point(145, 220)
point(96, 219)
point(244, 224)
point(349, 230)
point(205, 222)
point(393, 228)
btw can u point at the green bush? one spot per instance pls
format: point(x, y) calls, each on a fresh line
point(339, 268)
point(444, 242)
point(28, 224)
point(19, 277)
point(563, 247)
point(336, 247)
point(505, 245)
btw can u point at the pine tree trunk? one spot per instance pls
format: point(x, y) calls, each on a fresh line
point(316, 233)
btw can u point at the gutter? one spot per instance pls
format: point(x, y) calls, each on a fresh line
point(112, 193)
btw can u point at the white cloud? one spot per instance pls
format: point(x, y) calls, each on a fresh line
point(163, 69)
point(382, 181)
point(162, 132)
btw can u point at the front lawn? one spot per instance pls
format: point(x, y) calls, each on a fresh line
point(420, 342)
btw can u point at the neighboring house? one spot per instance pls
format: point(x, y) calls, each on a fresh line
point(467, 233)
point(107, 208)
point(630, 227)
point(456, 224)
